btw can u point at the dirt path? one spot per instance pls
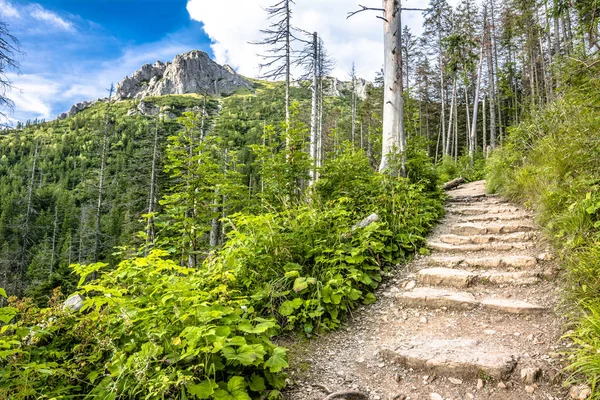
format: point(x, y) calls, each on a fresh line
point(474, 320)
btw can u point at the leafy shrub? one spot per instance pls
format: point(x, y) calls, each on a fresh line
point(450, 169)
point(310, 266)
point(149, 329)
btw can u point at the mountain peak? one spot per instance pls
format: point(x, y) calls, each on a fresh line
point(191, 72)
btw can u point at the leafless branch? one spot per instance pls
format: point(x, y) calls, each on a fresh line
point(362, 9)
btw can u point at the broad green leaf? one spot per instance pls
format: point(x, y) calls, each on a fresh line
point(257, 383)
point(236, 390)
point(289, 306)
point(369, 299)
point(300, 284)
point(277, 361)
point(3, 293)
point(292, 274)
point(203, 390)
point(7, 314)
point(262, 327)
point(245, 355)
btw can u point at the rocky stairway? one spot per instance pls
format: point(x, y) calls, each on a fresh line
point(483, 255)
point(473, 320)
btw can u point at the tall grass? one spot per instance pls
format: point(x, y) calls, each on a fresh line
point(551, 163)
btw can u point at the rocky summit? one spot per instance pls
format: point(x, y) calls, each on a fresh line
point(191, 72)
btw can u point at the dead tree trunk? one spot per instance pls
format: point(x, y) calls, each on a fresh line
point(152, 194)
point(313, 115)
point(393, 135)
point(452, 105)
point(473, 142)
point(101, 178)
point(29, 209)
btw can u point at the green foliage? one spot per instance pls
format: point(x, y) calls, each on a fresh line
point(309, 265)
point(550, 162)
point(237, 246)
point(149, 329)
point(450, 169)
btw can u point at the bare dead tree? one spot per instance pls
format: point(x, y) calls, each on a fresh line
point(9, 49)
point(101, 177)
point(473, 141)
point(279, 38)
point(393, 133)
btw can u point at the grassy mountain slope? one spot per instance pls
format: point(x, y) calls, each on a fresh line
point(551, 162)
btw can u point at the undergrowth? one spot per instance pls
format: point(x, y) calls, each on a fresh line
point(153, 329)
point(551, 162)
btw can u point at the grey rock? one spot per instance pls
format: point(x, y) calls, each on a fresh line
point(530, 375)
point(366, 222)
point(74, 303)
point(191, 72)
point(580, 392)
point(334, 87)
point(76, 108)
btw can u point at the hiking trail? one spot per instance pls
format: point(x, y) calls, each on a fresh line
point(473, 320)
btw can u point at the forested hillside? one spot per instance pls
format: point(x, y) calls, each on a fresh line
point(189, 230)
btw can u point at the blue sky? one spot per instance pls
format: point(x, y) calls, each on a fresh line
point(74, 49)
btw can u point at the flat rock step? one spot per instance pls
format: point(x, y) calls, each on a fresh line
point(457, 358)
point(460, 278)
point(478, 210)
point(476, 200)
point(491, 229)
point(438, 298)
point(520, 216)
point(520, 262)
point(482, 239)
point(472, 248)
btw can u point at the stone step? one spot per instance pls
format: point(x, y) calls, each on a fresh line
point(489, 229)
point(457, 358)
point(472, 248)
point(438, 298)
point(520, 262)
point(479, 210)
point(520, 216)
point(476, 200)
point(467, 198)
point(460, 278)
point(483, 239)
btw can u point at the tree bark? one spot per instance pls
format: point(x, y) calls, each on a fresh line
point(29, 209)
point(492, 79)
point(394, 137)
point(152, 195)
point(287, 71)
point(473, 143)
point(313, 116)
point(452, 105)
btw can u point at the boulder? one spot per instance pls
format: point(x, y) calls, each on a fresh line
point(74, 303)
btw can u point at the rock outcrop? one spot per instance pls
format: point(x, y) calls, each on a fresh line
point(334, 87)
point(76, 108)
point(191, 72)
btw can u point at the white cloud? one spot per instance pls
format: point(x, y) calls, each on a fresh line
point(41, 14)
point(44, 96)
point(232, 24)
point(32, 95)
point(8, 10)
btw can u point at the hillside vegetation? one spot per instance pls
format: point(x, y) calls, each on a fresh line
point(207, 250)
point(551, 163)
